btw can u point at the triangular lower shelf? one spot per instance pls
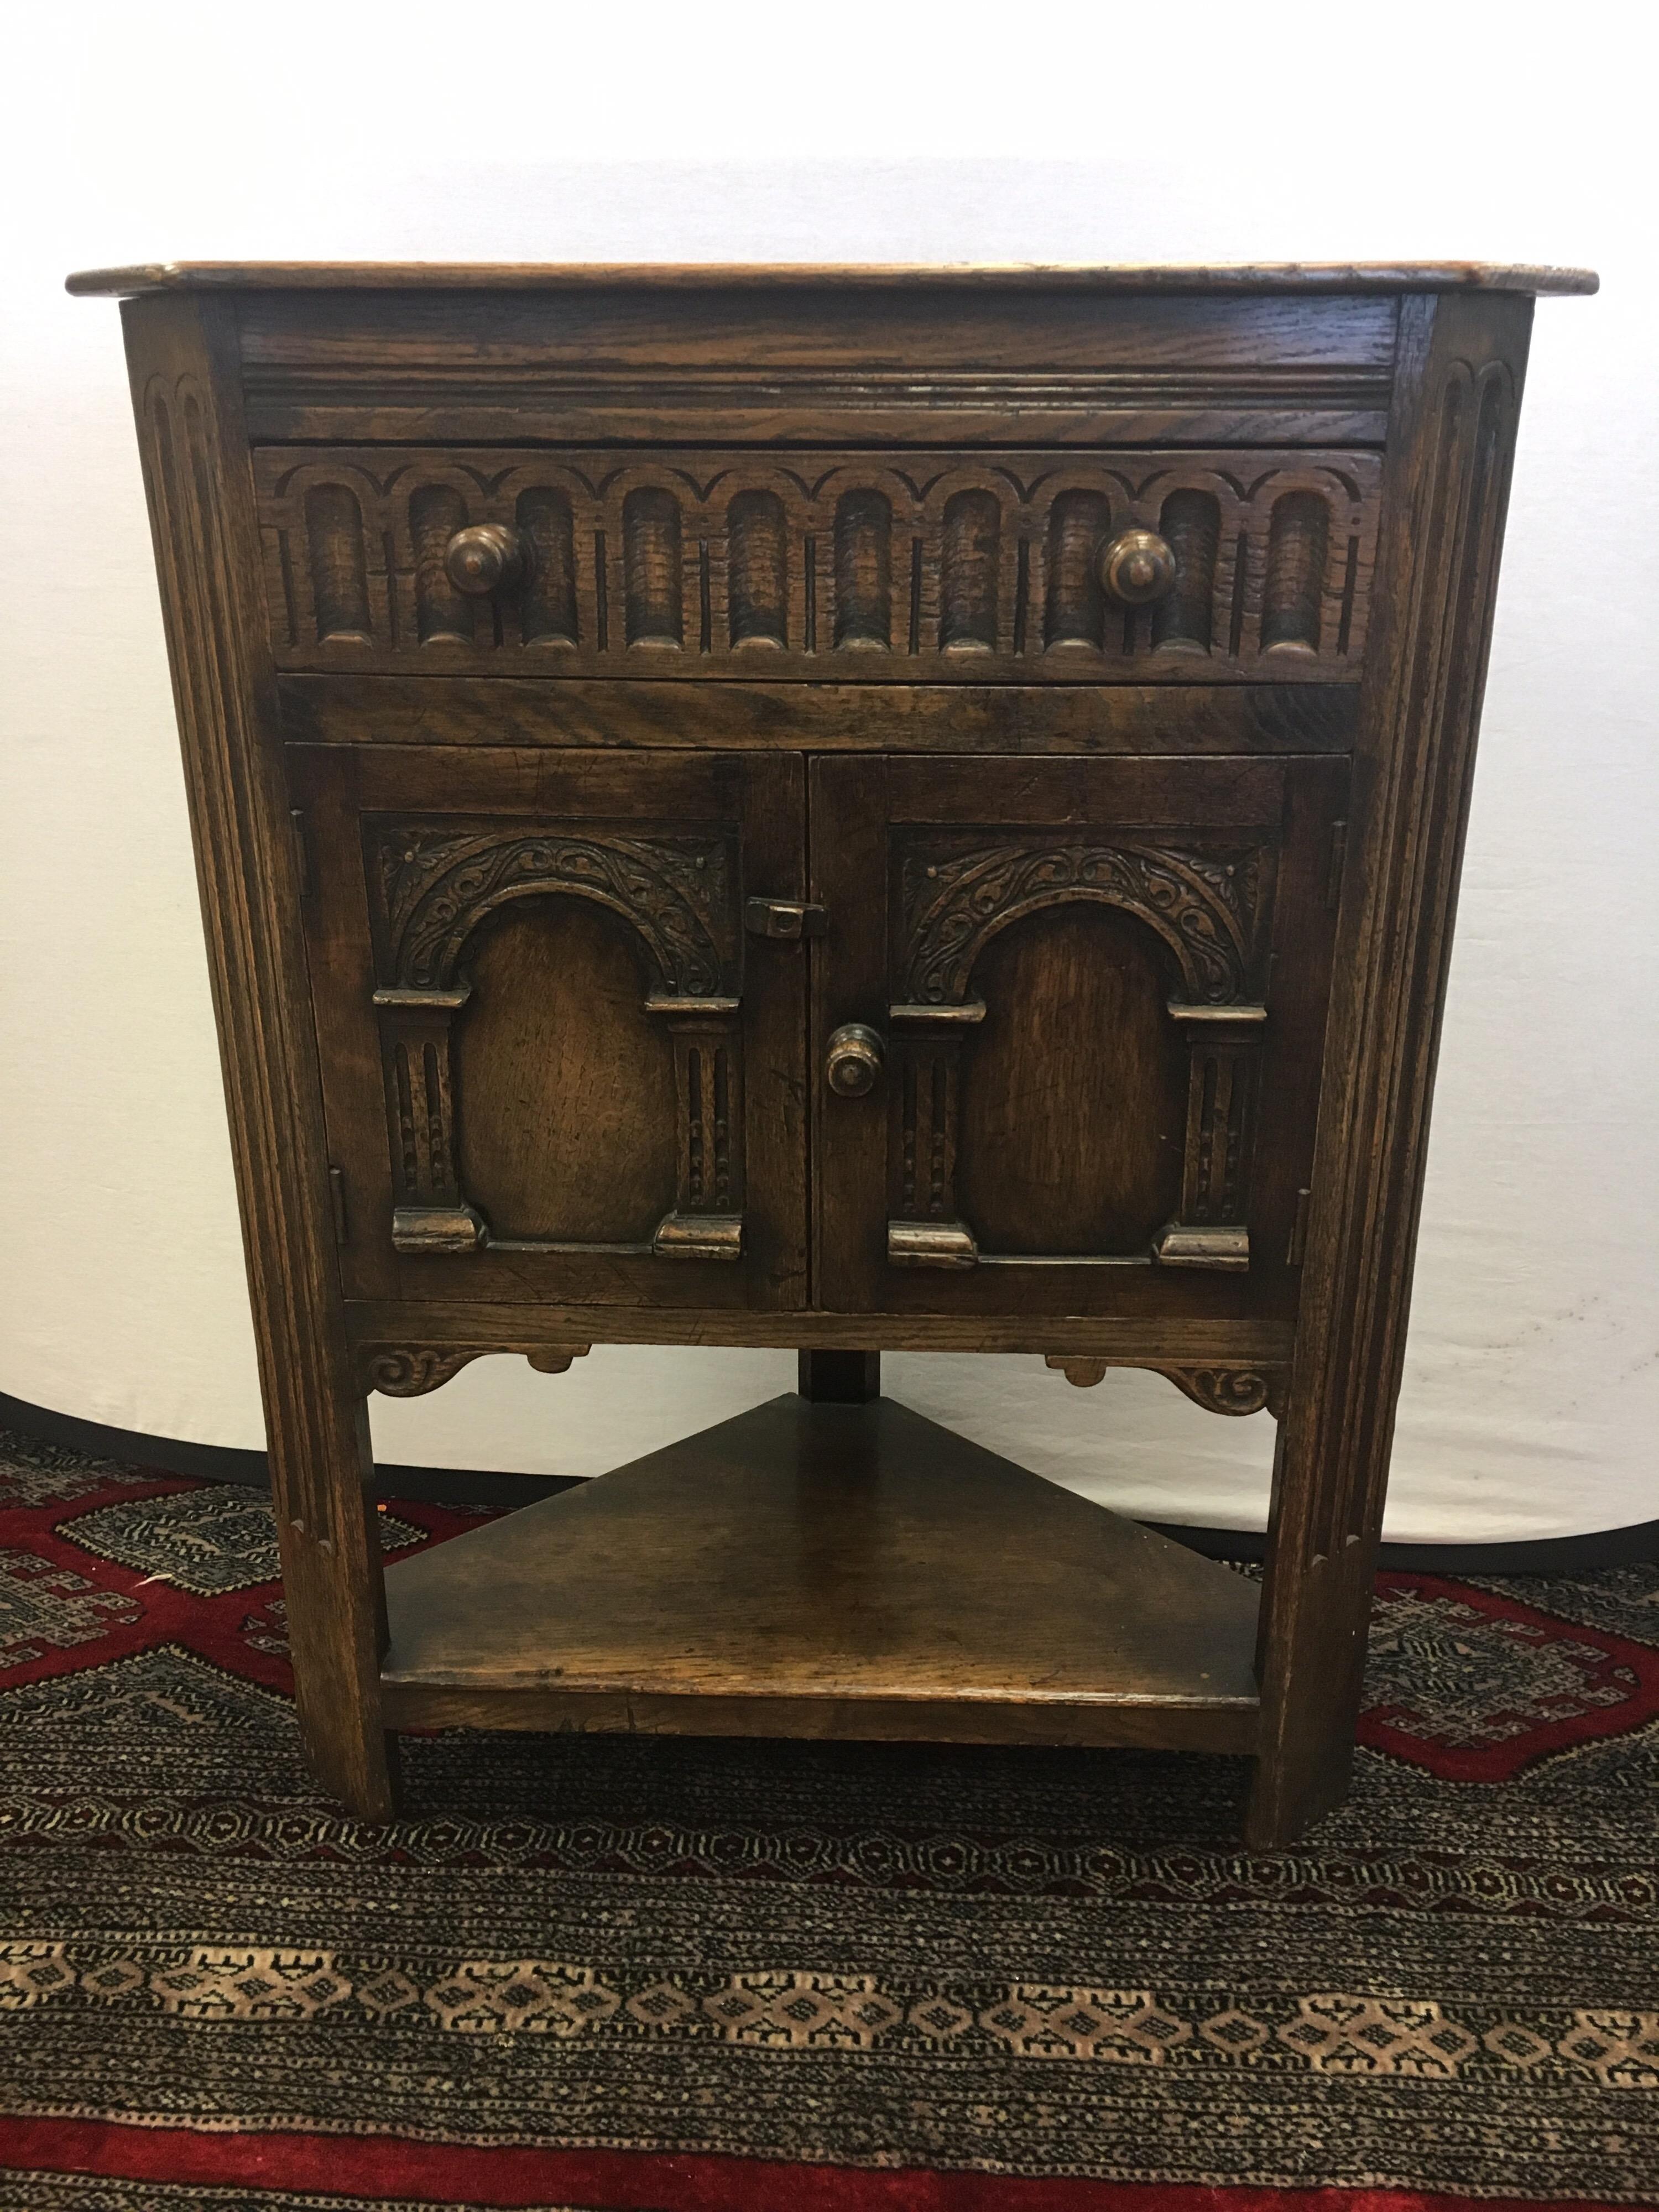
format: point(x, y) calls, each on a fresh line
point(826, 1571)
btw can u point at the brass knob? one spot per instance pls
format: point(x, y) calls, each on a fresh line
point(489, 558)
point(1137, 567)
point(854, 1059)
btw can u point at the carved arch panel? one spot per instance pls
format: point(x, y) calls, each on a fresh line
point(436, 883)
point(1208, 904)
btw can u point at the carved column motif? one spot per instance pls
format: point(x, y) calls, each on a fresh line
point(927, 1042)
point(1222, 1043)
point(429, 1215)
point(707, 1219)
point(1210, 908)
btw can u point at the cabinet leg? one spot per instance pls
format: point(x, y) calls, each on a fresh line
point(1310, 1662)
point(840, 1378)
point(1311, 1677)
point(334, 1586)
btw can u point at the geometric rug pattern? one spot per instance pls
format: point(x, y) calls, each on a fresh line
point(627, 1971)
point(209, 1542)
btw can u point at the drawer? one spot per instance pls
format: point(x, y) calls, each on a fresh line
point(1014, 567)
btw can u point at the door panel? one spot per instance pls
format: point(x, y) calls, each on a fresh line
point(555, 1067)
point(1102, 987)
point(1073, 1088)
point(570, 1127)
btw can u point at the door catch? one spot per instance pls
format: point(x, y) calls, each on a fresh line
point(764, 917)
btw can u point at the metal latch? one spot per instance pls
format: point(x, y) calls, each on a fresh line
point(764, 917)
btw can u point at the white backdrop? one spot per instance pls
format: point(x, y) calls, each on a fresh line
point(881, 132)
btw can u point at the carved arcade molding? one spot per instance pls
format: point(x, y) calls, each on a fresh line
point(964, 564)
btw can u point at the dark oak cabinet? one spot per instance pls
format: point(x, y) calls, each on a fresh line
point(851, 810)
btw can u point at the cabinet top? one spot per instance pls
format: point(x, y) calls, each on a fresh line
point(1266, 276)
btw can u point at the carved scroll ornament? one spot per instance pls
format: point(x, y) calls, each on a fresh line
point(1203, 905)
point(437, 885)
point(410, 1370)
point(1237, 1390)
point(1232, 1391)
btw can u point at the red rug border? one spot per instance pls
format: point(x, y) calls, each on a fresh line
point(1501, 1761)
point(514, 2177)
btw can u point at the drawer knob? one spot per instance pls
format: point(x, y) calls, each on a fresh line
point(1137, 567)
point(854, 1059)
point(485, 558)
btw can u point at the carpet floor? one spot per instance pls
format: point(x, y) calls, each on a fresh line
point(635, 1973)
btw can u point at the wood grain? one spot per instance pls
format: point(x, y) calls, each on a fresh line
point(1074, 1088)
point(570, 1128)
point(1301, 276)
point(836, 1552)
point(617, 714)
point(519, 1325)
point(792, 364)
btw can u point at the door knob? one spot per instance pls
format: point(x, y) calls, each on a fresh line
point(1137, 567)
point(854, 1059)
point(485, 558)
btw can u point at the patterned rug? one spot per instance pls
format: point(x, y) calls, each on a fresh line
point(616, 1973)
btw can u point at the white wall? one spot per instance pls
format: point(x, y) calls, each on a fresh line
point(1059, 133)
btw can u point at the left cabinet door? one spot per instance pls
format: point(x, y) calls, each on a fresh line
point(555, 1068)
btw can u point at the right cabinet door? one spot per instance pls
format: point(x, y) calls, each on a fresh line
point(1068, 1020)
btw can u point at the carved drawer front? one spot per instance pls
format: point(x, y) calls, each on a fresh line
point(1006, 566)
point(1097, 995)
point(554, 1065)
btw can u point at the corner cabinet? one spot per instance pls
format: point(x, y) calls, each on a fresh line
point(850, 810)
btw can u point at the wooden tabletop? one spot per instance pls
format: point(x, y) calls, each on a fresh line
point(560, 276)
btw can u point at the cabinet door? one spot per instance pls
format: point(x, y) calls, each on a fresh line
point(555, 1067)
point(1099, 990)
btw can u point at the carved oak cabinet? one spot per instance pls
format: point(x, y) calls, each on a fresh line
point(843, 808)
